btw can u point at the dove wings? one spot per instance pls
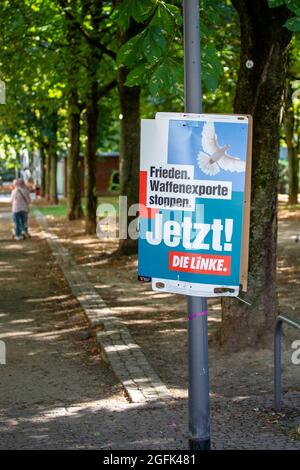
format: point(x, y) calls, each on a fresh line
point(214, 158)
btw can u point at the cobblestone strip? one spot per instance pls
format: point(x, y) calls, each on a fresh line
point(141, 383)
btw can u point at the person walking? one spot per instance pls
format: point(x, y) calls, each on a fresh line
point(20, 199)
point(26, 193)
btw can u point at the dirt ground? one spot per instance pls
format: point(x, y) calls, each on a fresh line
point(45, 322)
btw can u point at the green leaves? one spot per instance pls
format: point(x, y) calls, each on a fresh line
point(155, 56)
point(167, 18)
point(212, 69)
point(131, 51)
point(146, 46)
point(168, 76)
point(293, 24)
point(147, 54)
point(154, 44)
point(138, 75)
point(294, 6)
point(139, 10)
point(275, 3)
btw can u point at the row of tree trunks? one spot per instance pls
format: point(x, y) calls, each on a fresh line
point(52, 151)
point(293, 162)
point(130, 124)
point(74, 112)
point(259, 92)
point(43, 169)
point(92, 115)
point(47, 172)
point(49, 156)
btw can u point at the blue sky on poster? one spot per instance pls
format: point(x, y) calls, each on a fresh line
point(185, 144)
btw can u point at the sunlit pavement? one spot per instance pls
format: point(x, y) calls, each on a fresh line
point(4, 198)
point(57, 393)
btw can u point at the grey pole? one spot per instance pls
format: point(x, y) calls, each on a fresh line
point(277, 364)
point(277, 354)
point(192, 64)
point(199, 409)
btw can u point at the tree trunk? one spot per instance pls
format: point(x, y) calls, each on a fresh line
point(43, 169)
point(53, 199)
point(293, 171)
point(48, 172)
point(129, 139)
point(73, 163)
point(91, 149)
point(259, 92)
point(293, 163)
point(129, 150)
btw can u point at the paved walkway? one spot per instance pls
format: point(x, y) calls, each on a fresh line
point(130, 365)
point(57, 392)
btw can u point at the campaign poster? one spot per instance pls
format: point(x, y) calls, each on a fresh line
point(192, 192)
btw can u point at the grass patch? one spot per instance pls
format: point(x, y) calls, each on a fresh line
point(289, 207)
point(61, 209)
point(295, 433)
point(56, 211)
point(113, 200)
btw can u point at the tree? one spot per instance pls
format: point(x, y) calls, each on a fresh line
point(129, 134)
point(264, 41)
point(290, 128)
point(291, 122)
point(72, 63)
point(94, 95)
point(99, 12)
point(52, 151)
point(34, 98)
point(151, 58)
point(91, 30)
point(143, 28)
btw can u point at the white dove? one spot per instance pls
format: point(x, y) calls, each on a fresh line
point(214, 158)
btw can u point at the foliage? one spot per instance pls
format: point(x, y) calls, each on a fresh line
point(32, 72)
point(35, 68)
point(293, 23)
point(155, 55)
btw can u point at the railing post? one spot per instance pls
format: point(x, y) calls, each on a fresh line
point(277, 364)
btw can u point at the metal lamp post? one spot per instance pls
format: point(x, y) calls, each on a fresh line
point(199, 408)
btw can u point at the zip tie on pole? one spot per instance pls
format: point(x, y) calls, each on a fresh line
point(244, 301)
point(197, 314)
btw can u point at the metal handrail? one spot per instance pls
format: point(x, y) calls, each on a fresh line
point(277, 354)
